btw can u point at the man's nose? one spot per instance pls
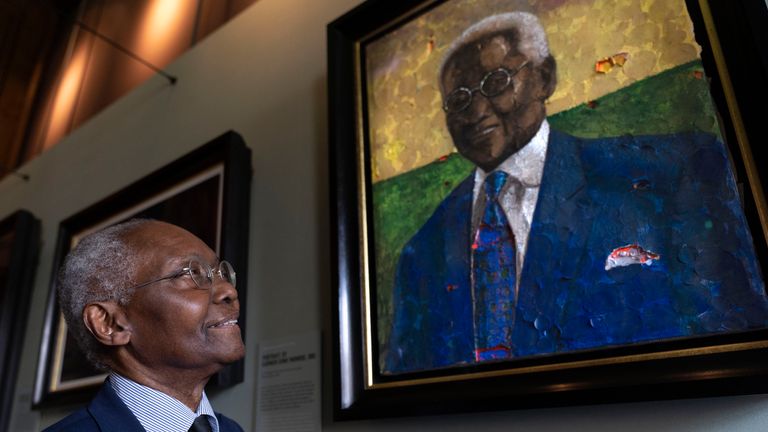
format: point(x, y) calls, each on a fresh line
point(479, 108)
point(223, 291)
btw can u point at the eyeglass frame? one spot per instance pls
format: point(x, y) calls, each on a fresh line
point(510, 74)
point(188, 271)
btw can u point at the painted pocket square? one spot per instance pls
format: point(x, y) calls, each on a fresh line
point(629, 255)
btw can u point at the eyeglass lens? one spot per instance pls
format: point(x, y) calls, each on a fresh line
point(227, 273)
point(495, 82)
point(202, 274)
point(458, 100)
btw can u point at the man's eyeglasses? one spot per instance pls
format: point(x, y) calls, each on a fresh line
point(201, 274)
point(492, 84)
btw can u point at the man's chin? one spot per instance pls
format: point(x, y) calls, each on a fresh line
point(481, 157)
point(235, 354)
point(229, 350)
point(488, 162)
point(488, 153)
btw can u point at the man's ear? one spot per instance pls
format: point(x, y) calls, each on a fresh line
point(107, 323)
point(548, 72)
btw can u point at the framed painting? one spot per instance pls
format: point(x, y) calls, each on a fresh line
point(544, 202)
point(19, 248)
point(206, 192)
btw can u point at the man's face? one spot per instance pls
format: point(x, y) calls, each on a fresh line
point(491, 129)
point(174, 324)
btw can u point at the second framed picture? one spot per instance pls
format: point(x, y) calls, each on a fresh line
point(206, 192)
point(541, 203)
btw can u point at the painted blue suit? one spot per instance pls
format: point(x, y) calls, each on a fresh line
point(108, 413)
point(673, 195)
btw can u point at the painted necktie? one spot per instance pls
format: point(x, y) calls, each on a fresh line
point(494, 274)
point(201, 424)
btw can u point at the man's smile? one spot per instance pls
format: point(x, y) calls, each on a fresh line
point(225, 323)
point(481, 130)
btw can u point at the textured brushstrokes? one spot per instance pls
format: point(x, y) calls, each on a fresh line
point(407, 126)
point(628, 255)
point(674, 101)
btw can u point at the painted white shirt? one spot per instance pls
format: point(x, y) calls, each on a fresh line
point(518, 197)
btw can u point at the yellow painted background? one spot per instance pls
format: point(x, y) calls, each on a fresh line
point(407, 125)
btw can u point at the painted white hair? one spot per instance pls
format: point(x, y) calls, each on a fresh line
point(98, 269)
point(531, 41)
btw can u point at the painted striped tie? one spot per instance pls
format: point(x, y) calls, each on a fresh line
point(494, 275)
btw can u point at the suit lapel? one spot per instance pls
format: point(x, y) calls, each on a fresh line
point(557, 233)
point(457, 290)
point(457, 249)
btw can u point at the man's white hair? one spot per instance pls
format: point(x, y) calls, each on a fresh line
point(99, 268)
point(531, 41)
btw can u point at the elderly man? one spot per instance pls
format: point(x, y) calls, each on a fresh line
point(556, 243)
point(152, 304)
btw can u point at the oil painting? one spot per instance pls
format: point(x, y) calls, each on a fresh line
point(549, 177)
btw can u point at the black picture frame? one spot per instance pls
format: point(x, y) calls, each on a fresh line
point(733, 38)
point(19, 249)
point(216, 178)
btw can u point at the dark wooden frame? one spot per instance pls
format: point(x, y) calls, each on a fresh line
point(661, 370)
point(14, 301)
point(227, 151)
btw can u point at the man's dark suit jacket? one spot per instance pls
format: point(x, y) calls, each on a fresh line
point(673, 195)
point(107, 413)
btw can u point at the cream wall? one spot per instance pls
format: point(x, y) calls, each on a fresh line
point(264, 75)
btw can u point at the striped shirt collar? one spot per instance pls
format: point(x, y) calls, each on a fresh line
point(156, 411)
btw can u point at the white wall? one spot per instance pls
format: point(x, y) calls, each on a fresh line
point(264, 75)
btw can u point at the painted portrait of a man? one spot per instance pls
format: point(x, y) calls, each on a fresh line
point(560, 233)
